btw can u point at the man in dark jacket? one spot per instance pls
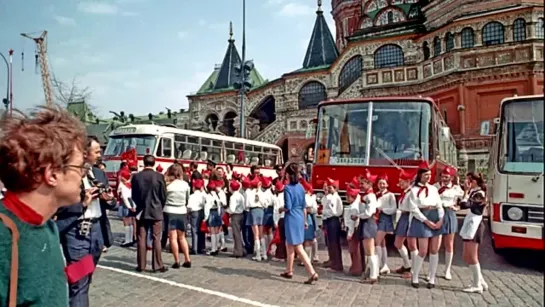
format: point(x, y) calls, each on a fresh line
point(149, 195)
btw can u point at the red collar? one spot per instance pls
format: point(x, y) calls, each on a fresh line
point(22, 210)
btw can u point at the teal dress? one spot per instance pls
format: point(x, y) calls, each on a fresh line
point(294, 218)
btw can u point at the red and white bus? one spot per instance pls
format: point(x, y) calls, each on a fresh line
point(515, 176)
point(168, 144)
point(383, 135)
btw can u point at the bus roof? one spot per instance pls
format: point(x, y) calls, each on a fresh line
point(515, 98)
point(367, 99)
point(158, 129)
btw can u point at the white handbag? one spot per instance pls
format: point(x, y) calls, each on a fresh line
point(470, 226)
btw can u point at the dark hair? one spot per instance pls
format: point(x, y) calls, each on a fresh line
point(419, 173)
point(193, 166)
point(149, 161)
point(253, 168)
point(478, 177)
point(122, 164)
point(230, 166)
point(292, 171)
point(91, 139)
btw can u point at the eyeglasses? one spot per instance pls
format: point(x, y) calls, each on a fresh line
point(83, 168)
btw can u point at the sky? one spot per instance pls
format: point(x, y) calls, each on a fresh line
point(142, 56)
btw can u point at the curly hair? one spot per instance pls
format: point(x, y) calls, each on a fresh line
point(48, 137)
point(175, 171)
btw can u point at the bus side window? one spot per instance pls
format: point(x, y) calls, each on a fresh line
point(256, 155)
point(230, 152)
point(165, 148)
point(179, 146)
point(240, 154)
point(215, 151)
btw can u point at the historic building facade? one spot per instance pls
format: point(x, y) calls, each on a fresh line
point(465, 54)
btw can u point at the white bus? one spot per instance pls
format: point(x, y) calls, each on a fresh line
point(515, 177)
point(168, 144)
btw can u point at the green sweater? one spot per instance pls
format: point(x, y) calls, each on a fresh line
point(42, 281)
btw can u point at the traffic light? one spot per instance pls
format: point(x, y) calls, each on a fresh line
point(243, 72)
point(5, 102)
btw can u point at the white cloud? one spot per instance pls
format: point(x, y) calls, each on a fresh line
point(182, 34)
point(64, 21)
point(296, 9)
point(100, 8)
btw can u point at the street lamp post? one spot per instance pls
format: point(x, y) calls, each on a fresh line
point(6, 100)
point(243, 70)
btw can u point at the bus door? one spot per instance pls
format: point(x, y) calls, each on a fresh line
point(165, 148)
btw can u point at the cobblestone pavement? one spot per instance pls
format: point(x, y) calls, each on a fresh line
point(516, 280)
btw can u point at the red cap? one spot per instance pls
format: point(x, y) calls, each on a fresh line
point(206, 173)
point(424, 165)
point(266, 182)
point(219, 184)
point(279, 186)
point(159, 168)
point(307, 186)
point(245, 182)
point(405, 176)
point(332, 182)
point(352, 192)
point(355, 183)
point(125, 173)
point(234, 185)
point(448, 171)
point(211, 185)
point(255, 183)
point(198, 183)
point(369, 177)
point(382, 177)
point(236, 175)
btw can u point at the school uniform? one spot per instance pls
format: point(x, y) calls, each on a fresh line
point(223, 203)
point(425, 204)
point(256, 212)
point(213, 218)
point(449, 195)
point(332, 211)
point(386, 202)
point(236, 210)
point(354, 241)
point(310, 231)
point(368, 229)
point(266, 199)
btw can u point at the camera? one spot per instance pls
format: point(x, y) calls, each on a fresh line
point(102, 188)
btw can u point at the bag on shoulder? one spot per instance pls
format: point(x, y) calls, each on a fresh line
point(14, 272)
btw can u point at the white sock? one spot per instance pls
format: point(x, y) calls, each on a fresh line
point(373, 266)
point(417, 265)
point(384, 257)
point(378, 251)
point(257, 248)
point(308, 249)
point(476, 270)
point(221, 240)
point(434, 262)
point(448, 262)
point(128, 234)
point(405, 256)
point(414, 254)
point(314, 250)
point(263, 248)
point(132, 232)
point(214, 242)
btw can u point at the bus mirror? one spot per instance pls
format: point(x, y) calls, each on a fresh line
point(485, 128)
point(497, 120)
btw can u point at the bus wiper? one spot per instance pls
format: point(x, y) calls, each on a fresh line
point(382, 153)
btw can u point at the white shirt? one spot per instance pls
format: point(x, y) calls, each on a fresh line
point(222, 197)
point(310, 201)
point(236, 203)
point(368, 206)
point(266, 198)
point(252, 199)
point(387, 203)
point(333, 206)
point(196, 201)
point(416, 201)
point(125, 193)
point(352, 210)
point(404, 204)
point(212, 202)
point(93, 209)
point(278, 204)
point(450, 195)
point(177, 197)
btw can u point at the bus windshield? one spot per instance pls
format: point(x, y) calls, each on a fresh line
point(118, 144)
point(398, 131)
point(522, 137)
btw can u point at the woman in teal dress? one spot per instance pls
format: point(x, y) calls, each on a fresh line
point(294, 224)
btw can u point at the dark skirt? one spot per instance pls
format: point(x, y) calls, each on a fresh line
point(450, 222)
point(255, 217)
point(418, 229)
point(177, 222)
point(268, 219)
point(402, 227)
point(310, 231)
point(478, 235)
point(367, 228)
point(214, 219)
point(386, 223)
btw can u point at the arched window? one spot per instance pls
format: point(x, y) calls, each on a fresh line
point(436, 46)
point(468, 38)
point(389, 56)
point(493, 33)
point(540, 28)
point(390, 17)
point(519, 30)
point(311, 94)
point(426, 50)
point(449, 39)
point(350, 72)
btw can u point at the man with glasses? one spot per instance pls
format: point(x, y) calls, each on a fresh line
point(84, 227)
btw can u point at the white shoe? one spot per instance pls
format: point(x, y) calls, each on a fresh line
point(448, 276)
point(484, 285)
point(385, 270)
point(256, 258)
point(427, 278)
point(474, 289)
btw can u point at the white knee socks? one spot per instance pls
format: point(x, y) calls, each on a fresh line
point(417, 265)
point(448, 264)
point(314, 256)
point(373, 266)
point(414, 254)
point(257, 249)
point(405, 256)
point(378, 251)
point(128, 234)
point(384, 257)
point(221, 240)
point(263, 248)
point(434, 261)
point(214, 242)
point(477, 277)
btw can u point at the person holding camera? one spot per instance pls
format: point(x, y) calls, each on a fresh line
point(81, 226)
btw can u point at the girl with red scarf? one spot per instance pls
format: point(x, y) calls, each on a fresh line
point(386, 208)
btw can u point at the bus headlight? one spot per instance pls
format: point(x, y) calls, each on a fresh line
point(515, 213)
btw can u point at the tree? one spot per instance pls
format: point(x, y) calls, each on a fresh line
point(70, 92)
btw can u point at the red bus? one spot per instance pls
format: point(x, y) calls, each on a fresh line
point(384, 135)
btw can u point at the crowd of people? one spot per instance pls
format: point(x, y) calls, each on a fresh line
point(54, 224)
